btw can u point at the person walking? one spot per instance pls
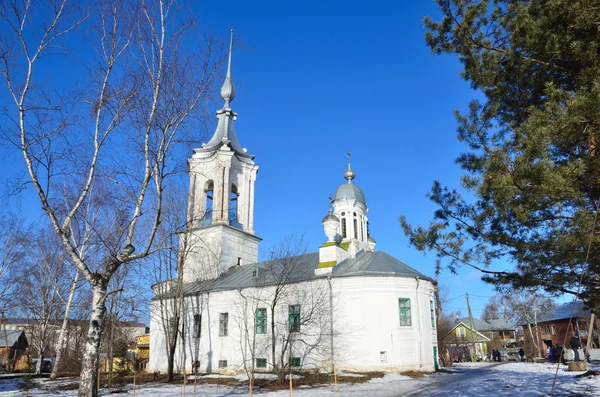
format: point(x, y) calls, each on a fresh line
point(522, 354)
point(550, 353)
point(558, 353)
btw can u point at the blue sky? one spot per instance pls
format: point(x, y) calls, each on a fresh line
point(315, 78)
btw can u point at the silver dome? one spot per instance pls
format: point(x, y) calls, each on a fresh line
point(330, 218)
point(349, 190)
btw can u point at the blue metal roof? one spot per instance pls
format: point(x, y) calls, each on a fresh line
point(565, 311)
point(302, 268)
point(9, 338)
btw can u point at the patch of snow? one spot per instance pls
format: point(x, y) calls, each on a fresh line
point(468, 379)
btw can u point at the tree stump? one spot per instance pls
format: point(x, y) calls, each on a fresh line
point(577, 366)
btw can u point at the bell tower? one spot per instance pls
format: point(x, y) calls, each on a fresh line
point(220, 215)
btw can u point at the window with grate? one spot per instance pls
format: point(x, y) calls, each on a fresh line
point(222, 363)
point(197, 325)
point(404, 306)
point(261, 321)
point(432, 312)
point(355, 227)
point(294, 318)
point(261, 363)
point(223, 323)
point(343, 227)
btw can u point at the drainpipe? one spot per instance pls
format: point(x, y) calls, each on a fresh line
point(420, 350)
point(331, 323)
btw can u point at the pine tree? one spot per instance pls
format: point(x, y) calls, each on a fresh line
point(532, 171)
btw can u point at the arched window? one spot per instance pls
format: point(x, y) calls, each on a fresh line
point(208, 191)
point(233, 205)
point(355, 226)
point(343, 226)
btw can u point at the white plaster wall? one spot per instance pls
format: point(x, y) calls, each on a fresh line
point(366, 323)
point(214, 249)
point(371, 322)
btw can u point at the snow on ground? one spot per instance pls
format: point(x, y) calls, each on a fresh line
point(517, 379)
point(469, 379)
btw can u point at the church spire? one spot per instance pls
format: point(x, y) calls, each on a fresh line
point(227, 90)
point(349, 174)
point(224, 137)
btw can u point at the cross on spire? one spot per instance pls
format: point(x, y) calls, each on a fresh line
point(227, 90)
point(349, 174)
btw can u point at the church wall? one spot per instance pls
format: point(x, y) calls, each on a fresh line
point(372, 326)
point(366, 323)
point(214, 249)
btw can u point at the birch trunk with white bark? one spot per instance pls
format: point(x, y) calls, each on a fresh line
point(89, 372)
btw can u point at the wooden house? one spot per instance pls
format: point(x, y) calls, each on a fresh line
point(13, 350)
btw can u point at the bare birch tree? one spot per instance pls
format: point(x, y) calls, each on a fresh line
point(167, 276)
point(299, 311)
point(529, 306)
point(114, 132)
point(41, 285)
point(12, 251)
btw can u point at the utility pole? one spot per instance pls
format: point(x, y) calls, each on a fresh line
point(590, 336)
point(472, 326)
point(331, 332)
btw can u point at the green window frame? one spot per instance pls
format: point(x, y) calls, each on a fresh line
point(404, 312)
point(432, 311)
point(296, 362)
point(294, 318)
point(261, 321)
point(261, 363)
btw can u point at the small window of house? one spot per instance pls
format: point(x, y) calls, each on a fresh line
point(222, 363)
point(383, 356)
point(404, 307)
point(461, 332)
point(296, 362)
point(261, 363)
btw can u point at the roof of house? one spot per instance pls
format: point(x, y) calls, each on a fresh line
point(566, 311)
point(18, 321)
point(488, 325)
point(480, 337)
point(302, 268)
point(12, 337)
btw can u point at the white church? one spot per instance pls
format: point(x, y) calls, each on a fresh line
point(347, 306)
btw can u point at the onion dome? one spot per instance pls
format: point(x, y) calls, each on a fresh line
point(330, 225)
